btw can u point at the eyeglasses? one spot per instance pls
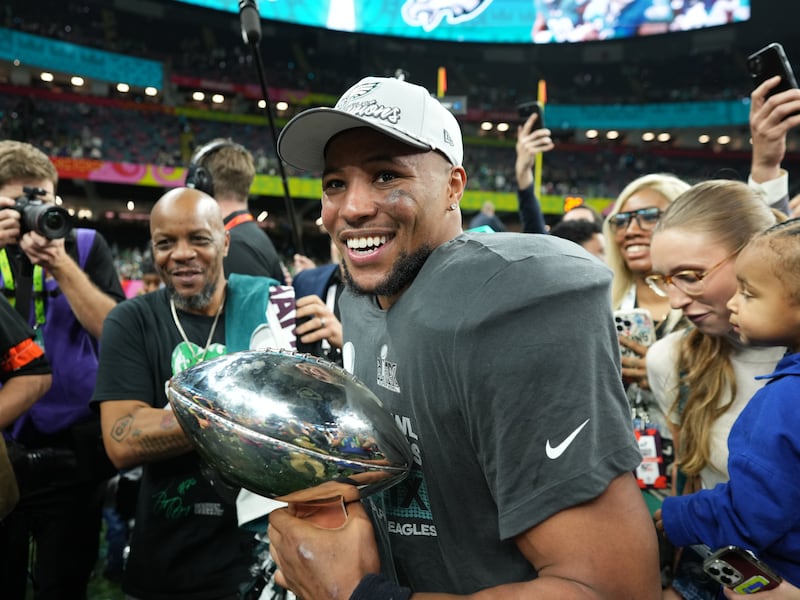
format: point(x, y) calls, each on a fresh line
point(690, 282)
point(646, 218)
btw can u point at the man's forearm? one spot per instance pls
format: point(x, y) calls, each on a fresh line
point(87, 301)
point(374, 587)
point(530, 211)
point(18, 394)
point(524, 177)
point(146, 435)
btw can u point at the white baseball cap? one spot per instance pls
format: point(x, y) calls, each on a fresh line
point(399, 109)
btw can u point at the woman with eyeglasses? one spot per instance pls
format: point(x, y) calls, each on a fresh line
point(702, 377)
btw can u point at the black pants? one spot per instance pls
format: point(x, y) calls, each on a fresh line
point(64, 524)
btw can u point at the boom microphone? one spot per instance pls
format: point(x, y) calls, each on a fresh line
point(251, 34)
point(251, 21)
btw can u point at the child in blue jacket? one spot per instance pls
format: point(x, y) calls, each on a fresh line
point(759, 507)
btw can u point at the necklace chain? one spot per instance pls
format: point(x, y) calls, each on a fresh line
point(189, 344)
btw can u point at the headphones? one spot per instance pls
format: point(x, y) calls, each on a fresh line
point(197, 176)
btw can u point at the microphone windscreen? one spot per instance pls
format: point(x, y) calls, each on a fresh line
point(251, 21)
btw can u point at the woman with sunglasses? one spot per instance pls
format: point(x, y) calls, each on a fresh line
point(627, 229)
point(702, 377)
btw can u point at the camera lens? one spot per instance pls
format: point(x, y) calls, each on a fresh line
point(54, 222)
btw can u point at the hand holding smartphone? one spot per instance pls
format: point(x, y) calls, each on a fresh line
point(526, 109)
point(636, 324)
point(767, 62)
point(740, 570)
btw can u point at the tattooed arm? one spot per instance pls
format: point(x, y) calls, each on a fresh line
point(136, 433)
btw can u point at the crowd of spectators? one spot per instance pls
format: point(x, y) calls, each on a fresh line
point(117, 134)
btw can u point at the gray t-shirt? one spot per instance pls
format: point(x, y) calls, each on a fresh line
point(501, 365)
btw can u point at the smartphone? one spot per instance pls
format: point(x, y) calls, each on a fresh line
point(526, 109)
point(636, 324)
point(770, 61)
point(740, 570)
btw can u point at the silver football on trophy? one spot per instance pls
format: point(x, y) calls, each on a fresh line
point(276, 422)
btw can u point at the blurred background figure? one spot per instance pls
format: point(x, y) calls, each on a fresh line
point(583, 232)
point(25, 377)
point(487, 218)
point(532, 140)
point(225, 171)
point(151, 280)
point(317, 291)
point(583, 212)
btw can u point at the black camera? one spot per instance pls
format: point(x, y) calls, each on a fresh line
point(53, 222)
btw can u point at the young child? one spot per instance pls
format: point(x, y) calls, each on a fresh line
point(758, 507)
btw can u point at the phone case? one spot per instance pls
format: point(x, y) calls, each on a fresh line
point(740, 570)
point(636, 324)
point(771, 60)
point(526, 109)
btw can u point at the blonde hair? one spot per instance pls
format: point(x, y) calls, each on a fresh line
point(729, 213)
point(22, 162)
point(668, 186)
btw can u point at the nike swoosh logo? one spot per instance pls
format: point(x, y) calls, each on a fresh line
point(555, 452)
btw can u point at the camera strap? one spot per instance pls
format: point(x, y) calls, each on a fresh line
point(38, 286)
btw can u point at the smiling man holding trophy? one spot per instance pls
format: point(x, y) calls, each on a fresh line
point(521, 481)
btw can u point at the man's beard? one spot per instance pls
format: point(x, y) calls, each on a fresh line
point(197, 301)
point(404, 271)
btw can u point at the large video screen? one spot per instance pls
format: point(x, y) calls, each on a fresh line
point(501, 21)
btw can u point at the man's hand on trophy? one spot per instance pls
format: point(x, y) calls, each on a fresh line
point(324, 491)
point(318, 563)
point(326, 504)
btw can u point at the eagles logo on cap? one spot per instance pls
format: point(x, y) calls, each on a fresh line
point(357, 91)
point(396, 108)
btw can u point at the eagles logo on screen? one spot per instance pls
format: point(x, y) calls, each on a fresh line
point(429, 14)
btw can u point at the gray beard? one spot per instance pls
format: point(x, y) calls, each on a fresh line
point(405, 270)
point(193, 303)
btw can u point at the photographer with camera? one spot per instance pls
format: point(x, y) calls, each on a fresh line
point(63, 282)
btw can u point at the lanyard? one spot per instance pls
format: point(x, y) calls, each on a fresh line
point(38, 286)
point(238, 220)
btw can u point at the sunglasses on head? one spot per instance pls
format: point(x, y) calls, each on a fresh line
point(646, 218)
